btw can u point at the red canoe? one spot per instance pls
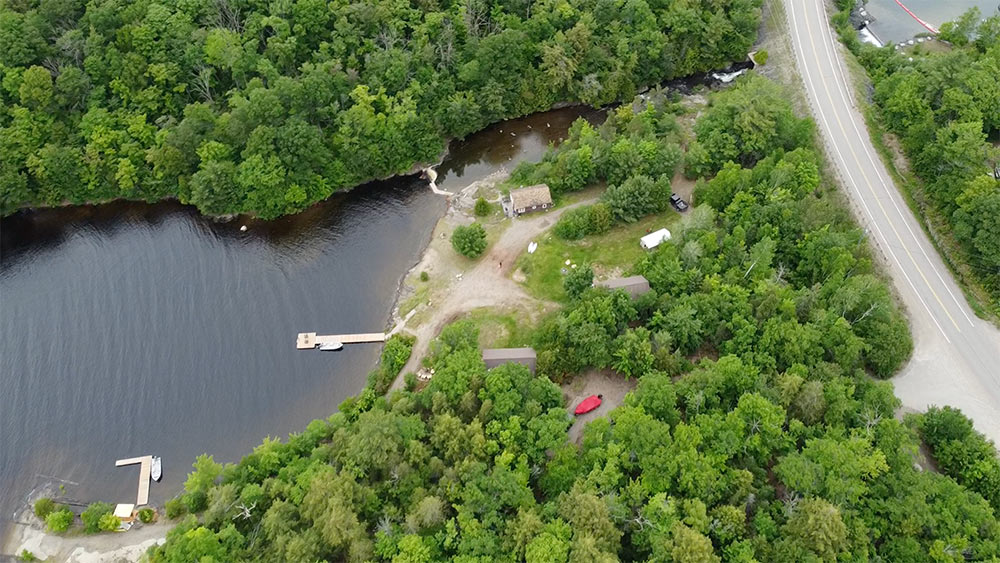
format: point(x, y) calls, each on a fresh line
point(588, 404)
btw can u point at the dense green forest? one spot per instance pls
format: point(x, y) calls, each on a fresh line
point(944, 105)
point(758, 431)
point(241, 106)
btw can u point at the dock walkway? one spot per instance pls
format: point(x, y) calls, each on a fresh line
point(145, 466)
point(309, 340)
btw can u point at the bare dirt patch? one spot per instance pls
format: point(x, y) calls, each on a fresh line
point(458, 285)
point(613, 386)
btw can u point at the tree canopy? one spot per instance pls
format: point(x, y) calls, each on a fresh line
point(242, 106)
point(945, 108)
point(756, 431)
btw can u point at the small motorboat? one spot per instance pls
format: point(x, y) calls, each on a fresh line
point(331, 346)
point(156, 469)
point(532, 247)
point(589, 404)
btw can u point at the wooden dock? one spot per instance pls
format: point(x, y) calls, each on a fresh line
point(310, 340)
point(145, 466)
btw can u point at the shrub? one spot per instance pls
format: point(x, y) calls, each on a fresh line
point(574, 224)
point(146, 515)
point(761, 57)
point(578, 280)
point(195, 501)
point(60, 520)
point(483, 208)
point(44, 507)
point(962, 453)
point(92, 516)
point(174, 508)
point(424, 276)
point(395, 354)
point(600, 218)
point(410, 380)
point(637, 197)
point(27, 556)
point(109, 523)
point(469, 241)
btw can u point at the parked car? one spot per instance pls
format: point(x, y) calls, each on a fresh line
point(678, 203)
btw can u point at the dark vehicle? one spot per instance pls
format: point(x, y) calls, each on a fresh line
point(678, 203)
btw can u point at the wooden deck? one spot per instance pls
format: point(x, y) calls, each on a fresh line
point(309, 340)
point(145, 466)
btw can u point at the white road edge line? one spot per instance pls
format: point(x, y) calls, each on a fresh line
point(811, 85)
point(828, 33)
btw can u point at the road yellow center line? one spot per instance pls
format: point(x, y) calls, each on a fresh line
point(868, 182)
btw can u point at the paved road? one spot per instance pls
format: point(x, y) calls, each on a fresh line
point(956, 359)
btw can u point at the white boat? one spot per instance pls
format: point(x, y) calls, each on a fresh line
point(331, 346)
point(156, 469)
point(532, 247)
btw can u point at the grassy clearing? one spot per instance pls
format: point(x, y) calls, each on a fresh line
point(608, 254)
point(500, 328)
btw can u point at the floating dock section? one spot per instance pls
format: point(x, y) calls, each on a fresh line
point(310, 340)
point(145, 466)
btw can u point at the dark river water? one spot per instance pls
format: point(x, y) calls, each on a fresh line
point(131, 329)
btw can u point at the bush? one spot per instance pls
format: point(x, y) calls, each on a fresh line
point(600, 218)
point(469, 241)
point(424, 276)
point(60, 520)
point(195, 501)
point(578, 280)
point(109, 523)
point(44, 507)
point(92, 516)
point(395, 354)
point(760, 57)
point(961, 452)
point(582, 221)
point(637, 197)
point(146, 515)
point(574, 224)
point(483, 208)
point(410, 381)
point(174, 508)
point(27, 556)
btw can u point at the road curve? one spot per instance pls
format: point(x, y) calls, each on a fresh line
point(956, 358)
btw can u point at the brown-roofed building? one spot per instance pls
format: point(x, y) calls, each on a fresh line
point(526, 200)
point(633, 285)
point(494, 357)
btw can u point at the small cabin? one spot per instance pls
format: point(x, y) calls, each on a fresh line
point(494, 357)
point(654, 239)
point(633, 285)
point(527, 200)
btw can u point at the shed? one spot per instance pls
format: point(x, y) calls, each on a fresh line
point(125, 512)
point(526, 200)
point(633, 285)
point(652, 240)
point(494, 357)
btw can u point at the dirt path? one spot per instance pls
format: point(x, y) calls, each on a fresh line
point(483, 284)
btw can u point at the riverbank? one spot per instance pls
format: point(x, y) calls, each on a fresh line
point(28, 534)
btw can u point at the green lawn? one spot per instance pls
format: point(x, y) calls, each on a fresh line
point(501, 329)
point(610, 253)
